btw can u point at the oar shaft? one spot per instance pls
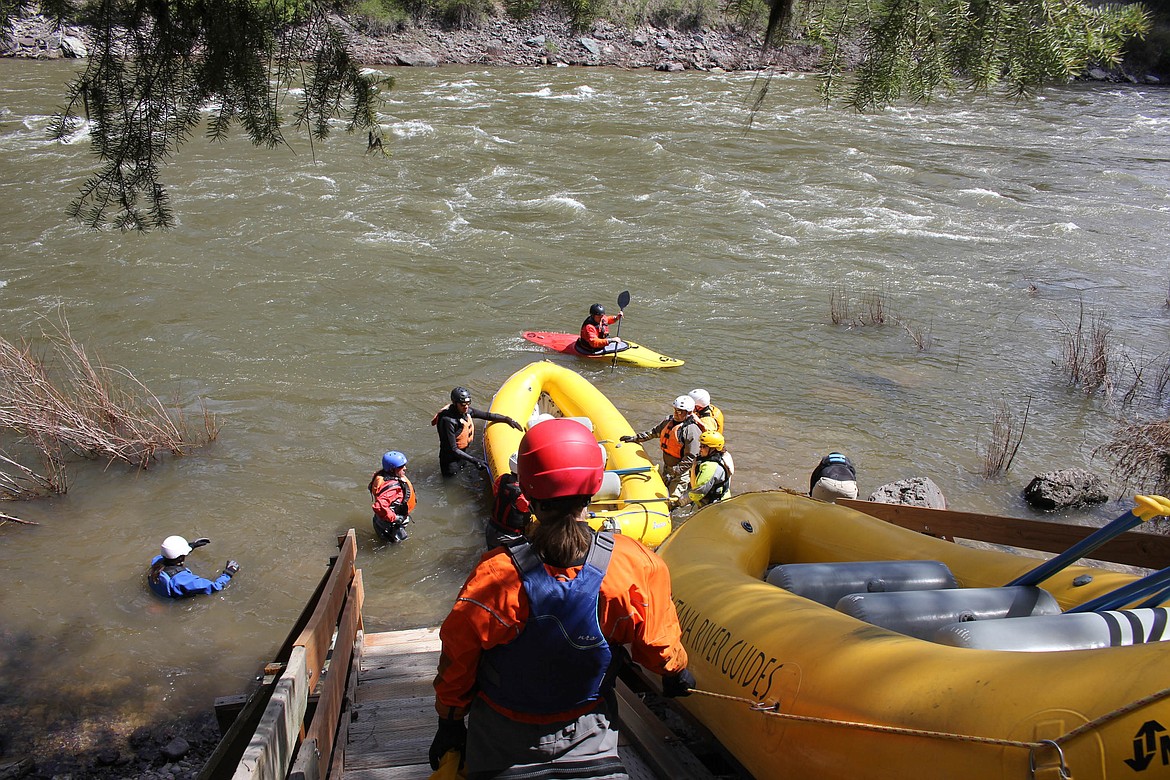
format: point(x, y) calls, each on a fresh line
point(1078, 550)
point(1125, 594)
point(631, 470)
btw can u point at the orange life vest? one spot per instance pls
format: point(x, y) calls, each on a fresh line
point(408, 500)
point(464, 438)
point(669, 440)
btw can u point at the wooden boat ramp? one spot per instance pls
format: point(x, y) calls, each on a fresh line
point(340, 703)
point(337, 702)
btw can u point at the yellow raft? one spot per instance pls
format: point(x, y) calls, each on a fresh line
point(854, 700)
point(633, 499)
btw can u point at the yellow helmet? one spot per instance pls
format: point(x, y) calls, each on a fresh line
point(713, 439)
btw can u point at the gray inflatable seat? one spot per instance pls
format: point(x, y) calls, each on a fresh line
point(921, 613)
point(1045, 633)
point(826, 583)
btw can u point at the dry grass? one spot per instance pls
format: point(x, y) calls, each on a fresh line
point(1141, 455)
point(1005, 440)
point(70, 404)
point(1085, 352)
point(874, 310)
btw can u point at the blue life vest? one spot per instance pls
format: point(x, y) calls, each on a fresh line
point(559, 661)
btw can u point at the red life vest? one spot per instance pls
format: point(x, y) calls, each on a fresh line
point(511, 510)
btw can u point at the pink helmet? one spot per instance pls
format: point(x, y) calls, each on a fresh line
point(559, 458)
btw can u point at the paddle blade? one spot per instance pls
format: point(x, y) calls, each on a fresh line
point(624, 299)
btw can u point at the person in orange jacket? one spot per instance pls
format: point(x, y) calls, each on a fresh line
point(531, 647)
point(594, 338)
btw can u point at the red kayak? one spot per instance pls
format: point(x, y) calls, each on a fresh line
point(634, 354)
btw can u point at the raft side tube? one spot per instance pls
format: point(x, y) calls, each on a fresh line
point(1049, 633)
point(921, 613)
point(828, 583)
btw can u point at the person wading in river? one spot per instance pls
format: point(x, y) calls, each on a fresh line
point(171, 579)
point(456, 431)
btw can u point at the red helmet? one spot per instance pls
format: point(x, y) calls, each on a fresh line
point(559, 458)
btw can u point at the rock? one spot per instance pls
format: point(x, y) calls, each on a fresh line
point(176, 749)
point(1065, 488)
point(416, 58)
point(537, 41)
point(1097, 74)
point(916, 491)
point(72, 46)
point(591, 46)
point(670, 67)
point(12, 770)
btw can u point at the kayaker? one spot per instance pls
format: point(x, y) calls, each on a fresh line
point(708, 415)
point(712, 472)
point(595, 338)
point(833, 478)
point(530, 649)
point(393, 498)
point(170, 578)
point(511, 512)
point(678, 435)
point(457, 431)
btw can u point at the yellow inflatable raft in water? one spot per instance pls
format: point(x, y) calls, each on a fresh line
point(633, 498)
point(831, 672)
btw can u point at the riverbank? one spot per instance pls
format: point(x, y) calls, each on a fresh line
point(541, 40)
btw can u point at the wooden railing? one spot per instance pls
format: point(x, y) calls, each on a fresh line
point(294, 735)
point(1133, 548)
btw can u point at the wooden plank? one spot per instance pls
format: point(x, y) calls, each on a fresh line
point(409, 636)
point(387, 667)
point(270, 752)
point(407, 772)
point(318, 634)
point(324, 726)
point(398, 687)
point(657, 744)
point(403, 748)
point(1133, 548)
point(365, 718)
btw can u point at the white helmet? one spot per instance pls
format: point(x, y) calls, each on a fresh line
point(685, 402)
point(702, 397)
point(175, 547)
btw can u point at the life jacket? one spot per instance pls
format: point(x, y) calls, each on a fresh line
point(464, 438)
point(602, 333)
point(403, 506)
point(710, 418)
point(511, 510)
point(559, 661)
point(721, 485)
point(669, 438)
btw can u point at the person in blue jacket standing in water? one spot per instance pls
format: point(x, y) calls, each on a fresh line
point(170, 578)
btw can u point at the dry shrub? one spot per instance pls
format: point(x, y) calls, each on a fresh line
point(1141, 455)
point(1005, 440)
point(1085, 353)
point(75, 405)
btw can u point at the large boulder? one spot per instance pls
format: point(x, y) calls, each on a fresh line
point(1065, 488)
point(916, 491)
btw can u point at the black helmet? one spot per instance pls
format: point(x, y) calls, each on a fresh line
point(460, 395)
point(596, 308)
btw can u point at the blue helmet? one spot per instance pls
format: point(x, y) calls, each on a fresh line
point(393, 460)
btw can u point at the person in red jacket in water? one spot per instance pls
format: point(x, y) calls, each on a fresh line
point(533, 643)
point(595, 338)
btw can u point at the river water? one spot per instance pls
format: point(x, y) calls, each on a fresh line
point(322, 303)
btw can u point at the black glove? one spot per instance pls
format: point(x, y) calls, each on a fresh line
point(230, 568)
point(629, 439)
point(200, 542)
point(452, 735)
point(481, 465)
point(680, 684)
point(516, 425)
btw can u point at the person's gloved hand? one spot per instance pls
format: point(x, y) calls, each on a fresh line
point(516, 425)
point(629, 439)
point(452, 735)
point(680, 684)
point(230, 568)
point(200, 542)
point(481, 465)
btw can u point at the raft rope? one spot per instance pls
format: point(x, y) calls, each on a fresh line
point(774, 711)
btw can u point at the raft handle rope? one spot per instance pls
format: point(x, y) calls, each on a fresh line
point(773, 709)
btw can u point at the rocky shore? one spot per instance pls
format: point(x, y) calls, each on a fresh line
point(544, 39)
